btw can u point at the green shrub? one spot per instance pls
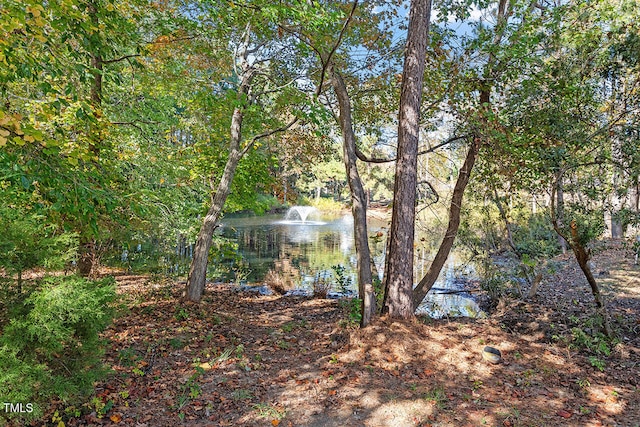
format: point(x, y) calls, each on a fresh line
point(352, 307)
point(326, 205)
point(536, 238)
point(53, 349)
point(27, 241)
point(265, 203)
point(344, 280)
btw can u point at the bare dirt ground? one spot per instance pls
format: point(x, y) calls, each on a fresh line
point(247, 360)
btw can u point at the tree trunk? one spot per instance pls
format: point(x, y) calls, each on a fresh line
point(424, 286)
point(198, 271)
point(534, 286)
point(358, 202)
point(96, 62)
point(399, 268)
point(636, 198)
point(582, 256)
point(560, 199)
point(87, 247)
point(86, 257)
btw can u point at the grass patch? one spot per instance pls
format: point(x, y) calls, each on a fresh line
point(269, 411)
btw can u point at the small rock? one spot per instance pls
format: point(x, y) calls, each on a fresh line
point(491, 355)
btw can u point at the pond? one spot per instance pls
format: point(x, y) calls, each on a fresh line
point(305, 247)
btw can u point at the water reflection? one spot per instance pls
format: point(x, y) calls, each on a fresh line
point(269, 242)
point(301, 252)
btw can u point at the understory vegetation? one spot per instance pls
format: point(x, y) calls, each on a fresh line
point(133, 133)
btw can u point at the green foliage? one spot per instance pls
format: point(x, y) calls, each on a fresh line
point(269, 411)
point(265, 203)
point(28, 240)
point(53, 350)
point(326, 205)
point(479, 230)
point(496, 286)
point(191, 389)
point(352, 307)
point(597, 363)
point(180, 314)
point(596, 343)
point(589, 223)
point(536, 237)
point(344, 281)
point(224, 258)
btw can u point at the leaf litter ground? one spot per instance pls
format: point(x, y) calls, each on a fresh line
point(239, 359)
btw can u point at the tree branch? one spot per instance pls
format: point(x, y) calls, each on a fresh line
point(364, 158)
point(111, 61)
point(325, 63)
point(133, 122)
point(266, 134)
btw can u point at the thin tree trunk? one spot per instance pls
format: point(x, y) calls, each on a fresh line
point(96, 62)
point(532, 282)
point(636, 199)
point(582, 256)
point(198, 271)
point(86, 257)
point(358, 202)
point(425, 285)
point(87, 247)
point(399, 268)
point(534, 286)
point(560, 199)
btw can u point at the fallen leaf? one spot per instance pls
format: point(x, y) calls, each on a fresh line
point(275, 422)
point(116, 418)
point(563, 413)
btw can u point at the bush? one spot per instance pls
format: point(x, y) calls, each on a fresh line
point(53, 349)
point(536, 238)
point(321, 285)
point(326, 205)
point(27, 241)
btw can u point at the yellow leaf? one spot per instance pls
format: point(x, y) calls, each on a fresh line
point(34, 11)
point(275, 422)
point(29, 138)
point(205, 366)
point(3, 141)
point(61, 424)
